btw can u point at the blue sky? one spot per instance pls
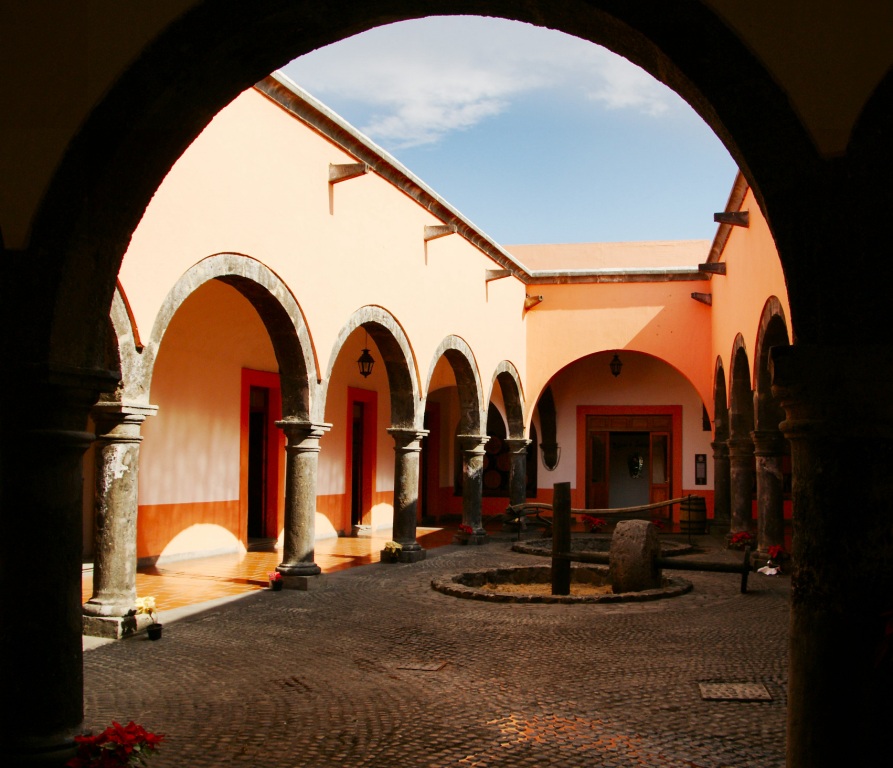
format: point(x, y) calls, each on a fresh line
point(535, 136)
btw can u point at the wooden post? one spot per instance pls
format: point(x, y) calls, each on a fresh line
point(561, 539)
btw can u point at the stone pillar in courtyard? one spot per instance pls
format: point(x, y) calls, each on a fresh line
point(110, 612)
point(722, 486)
point(518, 471)
point(298, 568)
point(472, 447)
point(769, 452)
point(407, 449)
point(840, 429)
point(43, 439)
point(741, 474)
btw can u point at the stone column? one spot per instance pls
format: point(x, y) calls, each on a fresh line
point(301, 463)
point(841, 659)
point(722, 485)
point(769, 452)
point(110, 612)
point(407, 448)
point(473, 486)
point(42, 443)
point(741, 475)
point(518, 472)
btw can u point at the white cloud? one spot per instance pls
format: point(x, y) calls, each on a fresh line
point(417, 81)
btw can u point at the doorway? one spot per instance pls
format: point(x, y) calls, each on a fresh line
point(628, 460)
point(262, 453)
point(362, 407)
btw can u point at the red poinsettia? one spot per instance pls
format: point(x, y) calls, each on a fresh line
point(117, 745)
point(777, 553)
point(595, 524)
point(465, 528)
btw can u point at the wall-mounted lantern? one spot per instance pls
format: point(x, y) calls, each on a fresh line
point(365, 361)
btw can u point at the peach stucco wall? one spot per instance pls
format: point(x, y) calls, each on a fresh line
point(256, 183)
point(753, 275)
point(659, 319)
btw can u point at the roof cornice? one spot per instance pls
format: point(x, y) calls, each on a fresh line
point(279, 89)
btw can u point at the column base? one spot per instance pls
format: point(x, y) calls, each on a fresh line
point(115, 627)
point(412, 555)
point(298, 569)
point(304, 583)
point(470, 538)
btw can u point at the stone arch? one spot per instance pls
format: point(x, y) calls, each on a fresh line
point(770, 446)
point(720, 402)
point(125, 352)
point(279, 312)
point(741, 447)
point(773, 332)
point(741, 422)
point(506, 375)
point(686, 46)
point(399, 360)
point(468, 380)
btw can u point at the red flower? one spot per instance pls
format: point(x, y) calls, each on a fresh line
point(776, 552)
point(118, 745)
point(465, 528)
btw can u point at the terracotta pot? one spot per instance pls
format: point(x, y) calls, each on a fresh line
point(276, 586)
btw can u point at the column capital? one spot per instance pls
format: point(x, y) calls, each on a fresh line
point(300, 432)
point(407, 438)
point(767, 442)
point(720, 449)
point(120, 421)
point(741, 447)
point(517, 444)
point(473, 443)
point(834, 391)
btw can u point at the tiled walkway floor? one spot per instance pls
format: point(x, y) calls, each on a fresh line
point(187, 582)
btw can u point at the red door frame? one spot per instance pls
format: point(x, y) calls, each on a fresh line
point(674, 411)
point(275, 474)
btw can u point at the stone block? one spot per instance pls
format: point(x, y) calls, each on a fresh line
point(304, 583)
point(635, 548)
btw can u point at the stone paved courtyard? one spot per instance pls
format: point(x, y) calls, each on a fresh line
point(378, 669)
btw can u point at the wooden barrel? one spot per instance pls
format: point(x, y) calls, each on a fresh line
point(693, 515)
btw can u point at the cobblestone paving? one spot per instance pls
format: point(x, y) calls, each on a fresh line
point(325, 678)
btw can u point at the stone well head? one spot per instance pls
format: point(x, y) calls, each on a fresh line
point(633, 558)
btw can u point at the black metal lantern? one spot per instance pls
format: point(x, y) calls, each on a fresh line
point(615, 365)
point(365, 361)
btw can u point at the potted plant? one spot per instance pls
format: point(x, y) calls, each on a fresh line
point(658, 523)
point(593, 524)
point(117, 745)
point(146, 605)
point(275, 580)
point(391, 552)
point(740, 540)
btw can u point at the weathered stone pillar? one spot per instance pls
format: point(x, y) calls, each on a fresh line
point(301, 464)
point(110, 612)
point(41, 547)
point(841, 657)
point(473, 486)
point(722, 485)
point(741, 475)
point(769, 452)
point(407, 447)
point(518, 471)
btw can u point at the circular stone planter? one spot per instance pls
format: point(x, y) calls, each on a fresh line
point(473, 586)
point(593, 543)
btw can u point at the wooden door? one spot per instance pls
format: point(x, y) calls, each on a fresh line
point(596, 469)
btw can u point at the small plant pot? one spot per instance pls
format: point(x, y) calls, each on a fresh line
point(154, 631)
point(276, 586)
